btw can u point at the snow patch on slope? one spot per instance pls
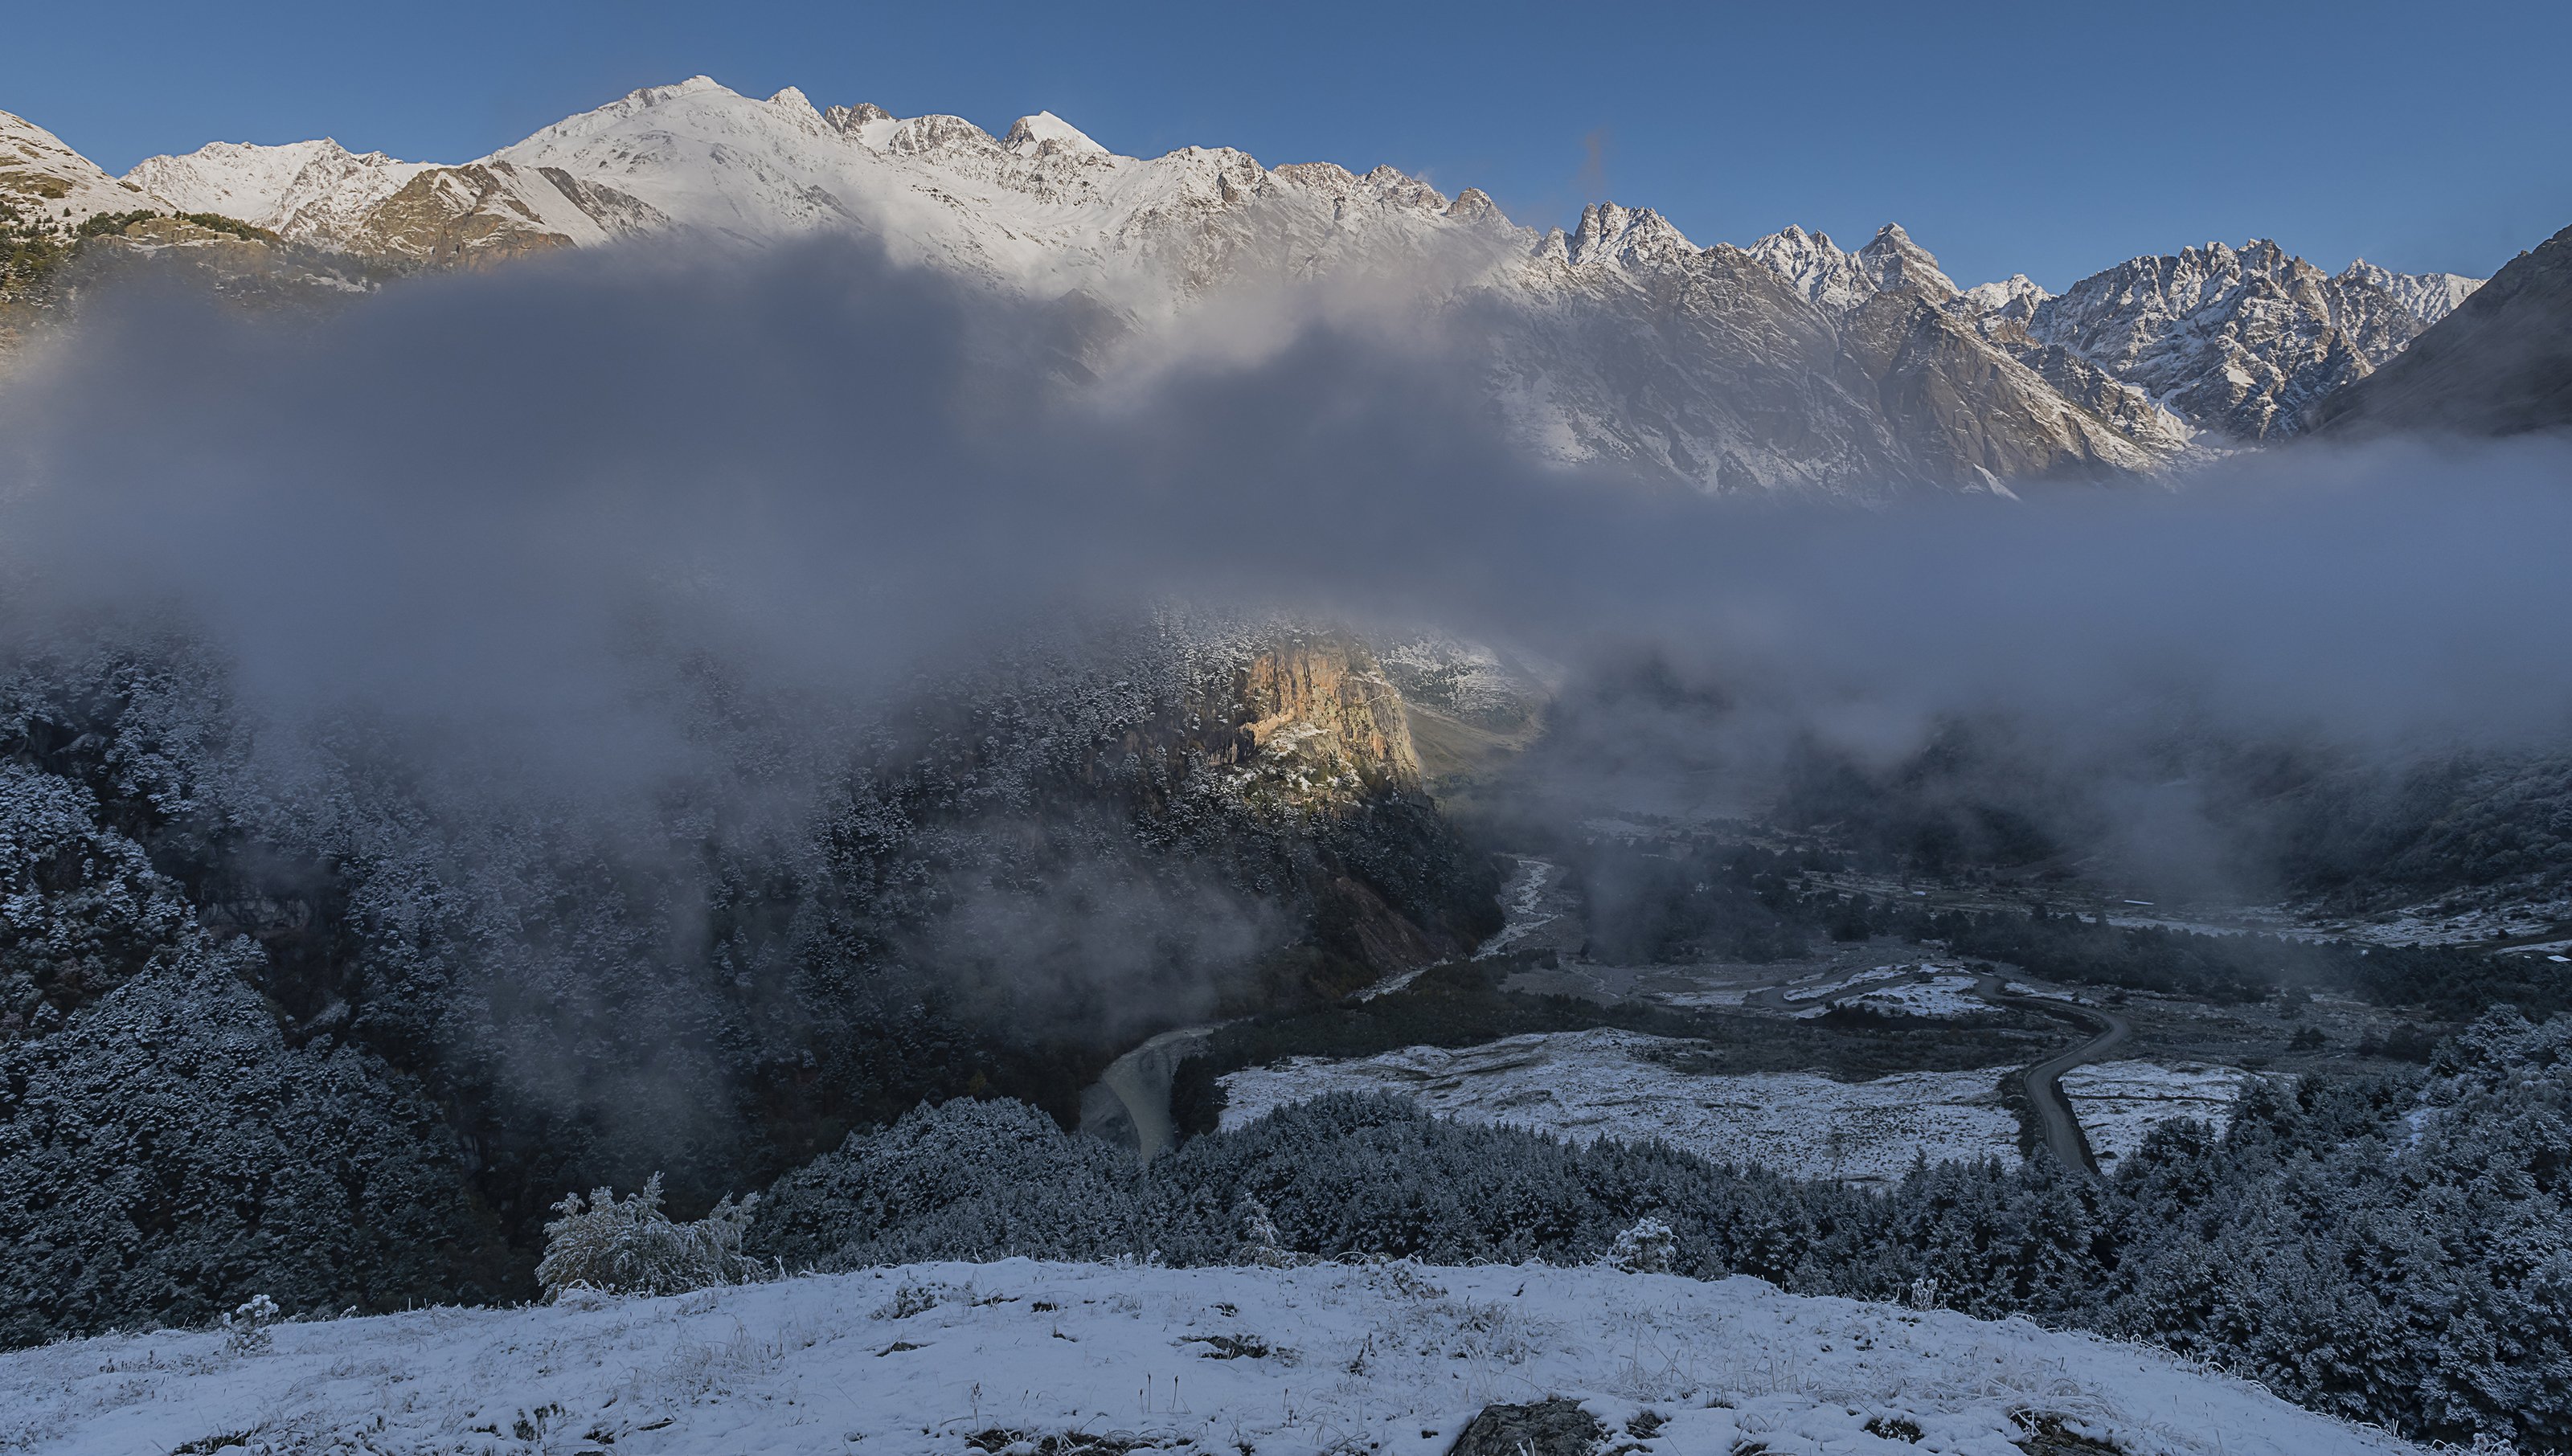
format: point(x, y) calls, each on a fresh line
point(1937, 997)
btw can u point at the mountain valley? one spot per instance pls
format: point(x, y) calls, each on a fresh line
point(1244, 755)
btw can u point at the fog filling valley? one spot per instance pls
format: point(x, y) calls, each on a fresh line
point(602, 611)
point(505, 517)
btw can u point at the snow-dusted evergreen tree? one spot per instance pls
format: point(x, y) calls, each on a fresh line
point(630, 1247)
point(1650, 1247)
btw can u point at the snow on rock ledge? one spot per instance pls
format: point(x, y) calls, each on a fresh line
point(1393, 1358)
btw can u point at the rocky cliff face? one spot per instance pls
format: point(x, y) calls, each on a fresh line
point(1323, 711)
point(2428, 296)
point(1307, 736)
point(490, 213)
point(1999, 418)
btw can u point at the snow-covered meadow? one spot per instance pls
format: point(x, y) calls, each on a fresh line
point(2119, 1102)
point(1607, 1084)
point(955, 1358)
point(1941, 996)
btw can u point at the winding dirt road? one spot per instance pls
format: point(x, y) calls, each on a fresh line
point(2044, 1080)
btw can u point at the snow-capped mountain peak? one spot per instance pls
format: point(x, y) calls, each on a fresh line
point(1027, 134)
point(42, 176)
point(646, 96)
point(1893, 260)
point(1629, 342)
point(1625, 236)
point(301, 191)
point(793, 104)
point(2240, 340)
point(2017, 293)
point(2429, 296)
point(1838, 281)
point(931, 135)
point(1811, 265)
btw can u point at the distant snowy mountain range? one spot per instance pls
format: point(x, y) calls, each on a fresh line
point(1789, 363)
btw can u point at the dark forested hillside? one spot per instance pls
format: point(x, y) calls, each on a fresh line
point(329, 1020)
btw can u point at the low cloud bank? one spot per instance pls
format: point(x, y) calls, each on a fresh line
point(505, 512)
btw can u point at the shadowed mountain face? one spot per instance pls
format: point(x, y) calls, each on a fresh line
point(2499, 364)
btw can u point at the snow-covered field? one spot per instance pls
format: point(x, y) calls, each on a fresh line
point(952, 1358)
point(2448, 923)
point(2119, 1102)
point(1946, 995)
point(1826, 990)
point(1927, 990)
point(1718, 996)
point(1604, 1084)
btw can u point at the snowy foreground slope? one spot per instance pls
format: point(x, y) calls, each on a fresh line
point(943, 1357)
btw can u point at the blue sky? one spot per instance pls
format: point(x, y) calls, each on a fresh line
point(2051, 140)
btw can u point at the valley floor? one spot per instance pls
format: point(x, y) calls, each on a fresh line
point(955, 1358)
point(1608, 1084)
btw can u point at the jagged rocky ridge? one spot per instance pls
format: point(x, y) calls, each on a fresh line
point(1788, 364)
point(2236, 342)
